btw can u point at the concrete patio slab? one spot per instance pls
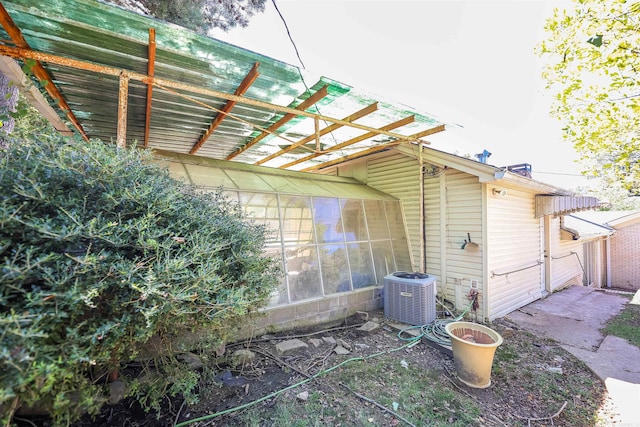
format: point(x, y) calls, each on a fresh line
point(573, 317)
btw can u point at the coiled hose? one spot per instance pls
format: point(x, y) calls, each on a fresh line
point(435, 331)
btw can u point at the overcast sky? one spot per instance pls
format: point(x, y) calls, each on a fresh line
point(467, 62)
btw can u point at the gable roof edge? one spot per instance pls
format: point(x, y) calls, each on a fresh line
point(486, 173)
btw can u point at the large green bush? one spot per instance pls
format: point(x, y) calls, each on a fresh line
point(100, 249)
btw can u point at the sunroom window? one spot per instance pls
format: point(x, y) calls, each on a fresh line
point(330, 234)
point(328, 245)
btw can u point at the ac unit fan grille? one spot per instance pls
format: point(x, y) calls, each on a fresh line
point(410, 301)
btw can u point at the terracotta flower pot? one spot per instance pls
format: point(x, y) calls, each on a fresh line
point(473, 348)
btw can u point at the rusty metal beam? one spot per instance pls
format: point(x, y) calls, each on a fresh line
point(38, 70)
point(248, 80)
point(151, 66)
point(123, 95)
point(17, 52)
point(317, 96)
point(372, 150)
point(358, 114)
point(397, 124)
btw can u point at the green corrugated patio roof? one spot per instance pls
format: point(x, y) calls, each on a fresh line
point(119, 76)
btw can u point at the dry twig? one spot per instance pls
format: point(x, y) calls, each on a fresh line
point(466, 393)
point(550, 417)
point(366, 399)
point(179, 411)
point(279, 361)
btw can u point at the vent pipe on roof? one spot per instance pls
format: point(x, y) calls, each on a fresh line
point(482, 157)
point(523, 169)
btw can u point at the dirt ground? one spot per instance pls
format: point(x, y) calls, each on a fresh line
point(534, 382)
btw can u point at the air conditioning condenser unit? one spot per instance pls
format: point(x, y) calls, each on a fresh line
point(410, 297)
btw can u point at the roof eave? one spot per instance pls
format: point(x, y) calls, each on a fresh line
point(504, 176)
point(486, 173)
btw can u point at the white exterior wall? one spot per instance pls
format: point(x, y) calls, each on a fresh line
point(434, 222)
point(594, 260)
point(399, 176)
point(460, 215)
point(515, 237)
point(453, 208)
point(508, 265)
point(566, 257)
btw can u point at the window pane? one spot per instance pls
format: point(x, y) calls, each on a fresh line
point(207, 176)
point(335, 270)
point(231, 195)
point(327, 219)
point(396, 221)
point(401, 252)
point(296, 219)
point(353, 218)
point(398, 236)
point(248, 180)
point(383, 259)
point(376, 219)
point(280, 294)
point(303, 274)
point(263, 208)
point(362, 273)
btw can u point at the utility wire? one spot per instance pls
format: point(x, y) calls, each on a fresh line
point(299, 59)
point(288, 33)
point(559, 173)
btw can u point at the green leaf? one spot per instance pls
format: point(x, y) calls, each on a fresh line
point(595, 40)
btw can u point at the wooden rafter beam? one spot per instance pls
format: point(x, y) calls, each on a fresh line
point(18, 52)
point(151, 66)
point(372, 150)
point(217, 110)
point(38, 70)
point(355, 116)
point(11, 69)
point(427, 132)
point(397, 124)
point(317, 96)
point(248, 80)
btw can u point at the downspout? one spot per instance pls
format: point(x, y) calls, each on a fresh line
point(548, 274)
point(423, 237)
point(607, 249)
point(486, 294)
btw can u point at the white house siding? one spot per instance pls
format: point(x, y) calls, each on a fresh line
point(399, 176)
point(515, 238)
point(453, 208)
point(566, 258)
point(433, 220)
point(462, 217)
point(594, 262)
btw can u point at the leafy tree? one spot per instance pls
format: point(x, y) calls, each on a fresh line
point(593, 54)
point(100, 250)
point(201, 15)
point(612, 195)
